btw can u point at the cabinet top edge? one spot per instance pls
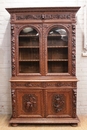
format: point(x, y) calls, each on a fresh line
point(43, 9)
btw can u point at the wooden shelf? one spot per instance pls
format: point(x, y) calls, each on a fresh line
point(57, 59)
point(28, 36)
point(28, 47)
point(56, 35)
point(57, 47)
point(32, 60)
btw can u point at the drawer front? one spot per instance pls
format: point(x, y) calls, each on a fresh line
point(30, 103)
point(44, 84)
point(59, 103)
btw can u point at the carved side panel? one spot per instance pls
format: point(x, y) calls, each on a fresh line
point(14, 103)
point(58, 102)
point(29, 102)
point(74, 102)
point(13, 50)
point(73, 50)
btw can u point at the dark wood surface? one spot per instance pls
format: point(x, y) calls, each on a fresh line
point(43, 82)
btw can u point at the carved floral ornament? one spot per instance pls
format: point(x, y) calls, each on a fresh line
point(42, 16)
point(44, 84)
point(58, 102)
point(29, 102)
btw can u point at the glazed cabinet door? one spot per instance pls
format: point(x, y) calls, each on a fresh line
point(29, 49)
point(59, 103)
point(57, 42)
point(30, 103)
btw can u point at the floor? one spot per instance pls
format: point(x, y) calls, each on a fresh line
point(5, 126)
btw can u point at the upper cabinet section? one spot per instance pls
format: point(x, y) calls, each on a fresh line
point(43, 14)
point(43, 41)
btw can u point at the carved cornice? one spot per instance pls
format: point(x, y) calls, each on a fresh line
point(42, 9)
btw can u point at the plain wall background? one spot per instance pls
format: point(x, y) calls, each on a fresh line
point(5, 50)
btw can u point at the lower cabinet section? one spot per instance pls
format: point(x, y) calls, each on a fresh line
point(44, 103)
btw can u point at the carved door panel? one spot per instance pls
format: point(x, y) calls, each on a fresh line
point(59, 103)
point(30, 103)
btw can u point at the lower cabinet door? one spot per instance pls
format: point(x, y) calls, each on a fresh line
point(30, 103)
point(59, 103)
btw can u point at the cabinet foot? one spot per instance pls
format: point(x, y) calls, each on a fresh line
point(14, 124)
point(74, 125)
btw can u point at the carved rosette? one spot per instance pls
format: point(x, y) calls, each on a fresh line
point(73, 50)
point(58, 102)
point(14, 104)
point(13, 50)
point(74, 102)
point(29, 103)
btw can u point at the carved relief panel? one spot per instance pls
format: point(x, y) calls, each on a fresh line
point(30, 103)
point(58, 103)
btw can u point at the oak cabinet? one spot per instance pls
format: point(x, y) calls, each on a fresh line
point(43, 50)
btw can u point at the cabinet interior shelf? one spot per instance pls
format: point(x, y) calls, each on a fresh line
point(28, 47)
point(57, 47)
point(28, 36)
point(29, 60)
point(57, 35)
point(57, 59)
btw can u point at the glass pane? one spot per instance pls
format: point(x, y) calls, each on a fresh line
point(57, 49)
point(29, 51)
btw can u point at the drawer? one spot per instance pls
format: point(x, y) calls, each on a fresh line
point(44, 84)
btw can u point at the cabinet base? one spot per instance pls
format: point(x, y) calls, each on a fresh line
point(71, 121)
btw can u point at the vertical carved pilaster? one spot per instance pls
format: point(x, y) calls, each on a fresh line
point(14, 111)
point(13, 50)
point(74, 102)
point(73, 50)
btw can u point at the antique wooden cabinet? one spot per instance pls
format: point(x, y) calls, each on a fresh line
point(43, 52)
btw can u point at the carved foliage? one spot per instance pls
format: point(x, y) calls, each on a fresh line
point(74, 102)
point(73, 50)
point(13, 49)
point(43, 84)
point(42, 16)
point(58, 102)
point(29, 103)
point(14, 111)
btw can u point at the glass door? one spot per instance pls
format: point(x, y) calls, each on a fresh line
point(57, 50)
point(29, 59)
